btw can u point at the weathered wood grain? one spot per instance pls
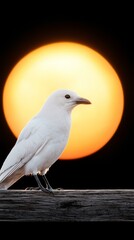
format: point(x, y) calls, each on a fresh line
point(67, 205)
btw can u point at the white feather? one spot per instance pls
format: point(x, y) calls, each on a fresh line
point(42, 140)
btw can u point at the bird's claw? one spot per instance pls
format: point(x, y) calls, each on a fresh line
point(32, 188)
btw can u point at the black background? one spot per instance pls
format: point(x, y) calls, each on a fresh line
point(108, 29)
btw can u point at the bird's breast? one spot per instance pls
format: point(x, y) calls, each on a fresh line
point(53, 141)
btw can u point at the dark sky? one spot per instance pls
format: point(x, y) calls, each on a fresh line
point(109, 33)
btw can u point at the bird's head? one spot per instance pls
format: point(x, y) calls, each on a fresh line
point(66, 99)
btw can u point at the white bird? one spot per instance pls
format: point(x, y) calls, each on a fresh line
point(41, 141)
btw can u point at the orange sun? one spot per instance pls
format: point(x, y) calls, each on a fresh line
point(71, 66)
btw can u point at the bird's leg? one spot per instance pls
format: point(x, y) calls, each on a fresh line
point(48, 186)
point(40, 185)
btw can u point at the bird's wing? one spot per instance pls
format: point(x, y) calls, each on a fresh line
point(30, 128)
point(30, 141)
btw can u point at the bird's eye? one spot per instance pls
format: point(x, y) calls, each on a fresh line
point(67, 96)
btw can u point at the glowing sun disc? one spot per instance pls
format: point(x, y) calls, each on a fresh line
point(71, 66)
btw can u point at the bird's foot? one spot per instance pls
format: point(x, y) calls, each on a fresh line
point(32, 188)
point(47, 190)
point(59, 188)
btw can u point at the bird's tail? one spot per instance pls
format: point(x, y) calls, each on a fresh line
point(10, 180)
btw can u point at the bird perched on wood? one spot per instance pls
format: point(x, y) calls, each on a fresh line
point(41, 141)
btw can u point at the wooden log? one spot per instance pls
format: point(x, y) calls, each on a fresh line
point(67, 205)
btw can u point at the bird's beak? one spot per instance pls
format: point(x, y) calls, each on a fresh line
point(82, 101)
